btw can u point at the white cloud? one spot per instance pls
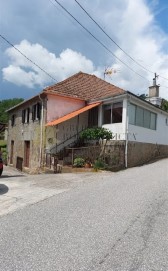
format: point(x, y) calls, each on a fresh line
point(130, 23)
point(18, 76)
point(137, 33)
point(22, 72)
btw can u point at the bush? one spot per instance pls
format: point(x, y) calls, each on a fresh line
point(99, 164)
point(79, 162)
point(96, 134)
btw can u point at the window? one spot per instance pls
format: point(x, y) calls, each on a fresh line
point(25, 115)
point(36, 111)
point(139, 119)
point(132, 111)
point(147, 118)
point(112, 113)
point(153, 121)
point(117, 113)
point(13, 120)
point(142, 117)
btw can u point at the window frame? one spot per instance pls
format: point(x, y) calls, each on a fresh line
point(111, 107)
point(151, 126)
point(13, 120)
point(36, 111)
point(26, 115)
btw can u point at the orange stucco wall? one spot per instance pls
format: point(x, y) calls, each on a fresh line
point(58, 106)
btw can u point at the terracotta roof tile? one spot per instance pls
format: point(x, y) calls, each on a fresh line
point(85, 86)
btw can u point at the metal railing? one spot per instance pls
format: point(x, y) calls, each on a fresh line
point(58, 147)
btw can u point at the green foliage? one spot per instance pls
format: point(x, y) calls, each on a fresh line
point(3, 150)
point(79, 162)
point(164, 105)
point(5, 105)
point(99, 164)
point(143, 96)
point(96, 134)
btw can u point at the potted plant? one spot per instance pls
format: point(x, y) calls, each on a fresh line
point(88, 163)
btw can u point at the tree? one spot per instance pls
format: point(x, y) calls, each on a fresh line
point(164, 105)
point(143, 96)
point(5, 105)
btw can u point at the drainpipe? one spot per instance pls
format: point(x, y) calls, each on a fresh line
point(41, 130)
point(126, 134)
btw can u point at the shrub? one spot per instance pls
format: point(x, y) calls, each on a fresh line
point(79, 162)
point(96, 134)
point(99, 164)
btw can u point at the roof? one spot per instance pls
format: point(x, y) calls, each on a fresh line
point(72, 115)
point(85, 86)
point(36, 97)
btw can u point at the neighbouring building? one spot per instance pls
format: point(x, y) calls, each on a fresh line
point(3, 131)
point(52, 120)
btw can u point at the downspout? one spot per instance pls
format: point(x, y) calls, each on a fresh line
point(41, 130)
point(126, 134)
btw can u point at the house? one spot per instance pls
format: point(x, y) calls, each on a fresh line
point(52, 120)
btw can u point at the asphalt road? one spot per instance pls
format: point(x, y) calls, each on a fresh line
point(110, 221)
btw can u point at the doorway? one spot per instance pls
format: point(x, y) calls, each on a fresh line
point(27, 154)
point(12, 151)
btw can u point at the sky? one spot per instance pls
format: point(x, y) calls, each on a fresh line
point(135, 49)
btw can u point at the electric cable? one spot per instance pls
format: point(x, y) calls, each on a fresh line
point(101, 43)
point(115, 42)
point(28, 58)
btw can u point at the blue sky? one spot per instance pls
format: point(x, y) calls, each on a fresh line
point(47, 35)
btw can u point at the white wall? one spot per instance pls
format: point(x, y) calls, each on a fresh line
point(145, 135)
point(136, 133)
point(159, 136)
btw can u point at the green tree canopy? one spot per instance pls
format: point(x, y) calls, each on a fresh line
point(143, 96)
point(5, 105)
point(164, 105)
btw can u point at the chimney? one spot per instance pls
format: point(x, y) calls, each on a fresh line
point(154, 90)
point(154, 93)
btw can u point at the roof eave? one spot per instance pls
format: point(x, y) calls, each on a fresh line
point(26, 101)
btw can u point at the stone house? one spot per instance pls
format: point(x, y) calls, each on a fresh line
point(52, 120)
point(3, 131)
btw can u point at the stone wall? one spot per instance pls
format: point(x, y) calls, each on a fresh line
point(20, 133)
point(90, 153)
point(141, 153)
point(113, 153)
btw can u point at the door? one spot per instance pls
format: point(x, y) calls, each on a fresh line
point(27, 153)
point(11, 152)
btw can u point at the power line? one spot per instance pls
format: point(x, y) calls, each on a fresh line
point(115, 42)
point(110, 37)
point(102, 44)
point(28, 58)
point(163, 86)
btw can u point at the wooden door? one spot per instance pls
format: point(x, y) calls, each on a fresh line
point(27, 153)
point(11, 152)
